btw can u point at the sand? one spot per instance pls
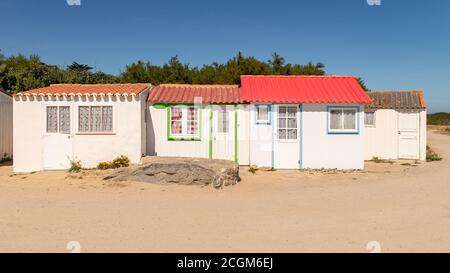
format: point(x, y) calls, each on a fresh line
point(404, 208)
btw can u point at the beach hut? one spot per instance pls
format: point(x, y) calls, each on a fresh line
point(90, 123)
point(396, 125)
point(6, 126)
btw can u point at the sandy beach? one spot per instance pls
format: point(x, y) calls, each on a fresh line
point(403, 206)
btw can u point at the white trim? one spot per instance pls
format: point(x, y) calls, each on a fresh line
point(184, 121)
point(340, 108)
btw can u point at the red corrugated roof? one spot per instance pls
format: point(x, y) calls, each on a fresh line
point(186, 93)
point(86, 89)
point(303, 89)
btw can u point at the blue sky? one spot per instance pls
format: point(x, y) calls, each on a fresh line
point(401, 44)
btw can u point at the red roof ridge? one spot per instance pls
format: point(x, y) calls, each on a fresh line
point(302, 76)
point(95, 84)
point(198, 85)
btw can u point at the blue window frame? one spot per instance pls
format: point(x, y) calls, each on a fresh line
point(262, 113)
point(343, 120)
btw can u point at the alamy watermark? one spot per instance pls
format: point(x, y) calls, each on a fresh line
point(374, 2)
point(73, 2)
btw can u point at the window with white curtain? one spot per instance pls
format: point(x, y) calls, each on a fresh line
point(262, 114)
point(287, 122)
point(58, 119)
point(184, 122)
point(343, 120)
point(95, 119)
point(369, 118)
point(222, 120)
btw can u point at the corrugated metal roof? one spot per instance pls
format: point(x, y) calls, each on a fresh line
point(187, 93)
point(87, 89)
point(396, 100)
point(302, 89)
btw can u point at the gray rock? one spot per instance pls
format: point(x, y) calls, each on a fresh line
point(179, 170)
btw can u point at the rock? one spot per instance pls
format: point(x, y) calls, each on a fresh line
point(177, 170)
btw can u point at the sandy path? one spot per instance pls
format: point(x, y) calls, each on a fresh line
point(405, 208)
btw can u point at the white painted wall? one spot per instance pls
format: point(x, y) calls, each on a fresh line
point(260, 140)
point(329, 151)
point(29, 128)
point(158, 144)
point(6, 125)
point(423, 135)
point(244, 134)
point(381, 140)
point(318, 148)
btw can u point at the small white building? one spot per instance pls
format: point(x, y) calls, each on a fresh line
point(280, 122)
point(6, 125)
point(206, 121)
point(395, 125)
point(305, 121)
point(89, 123)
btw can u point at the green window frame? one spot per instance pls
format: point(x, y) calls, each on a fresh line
point(186, 119)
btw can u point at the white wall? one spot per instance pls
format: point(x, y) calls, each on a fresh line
point(381, 140)
point(244, 134)
point(90, 149)
point(260, 140)
point(6, 125)
point(159, 145)
point(329, 151)
point(423, 135)
point(318, 148)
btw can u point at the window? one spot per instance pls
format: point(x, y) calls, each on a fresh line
point(262, 114)
point(342, 120)
point(222, 121)
point(369, 118)
point(287, 122)
point(58, 119)
point(95, 119)
point(184, 122)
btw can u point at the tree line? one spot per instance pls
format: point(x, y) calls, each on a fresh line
point(20, 73)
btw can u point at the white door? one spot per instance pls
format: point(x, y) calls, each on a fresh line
point(57, 140)
point(286, 137)
point(408, 135)
point(223, 139)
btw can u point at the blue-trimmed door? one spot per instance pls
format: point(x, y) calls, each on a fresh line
point(286, 136)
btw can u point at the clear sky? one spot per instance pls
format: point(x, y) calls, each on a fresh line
point(401, 44)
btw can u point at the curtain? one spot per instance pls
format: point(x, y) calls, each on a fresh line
point(107, 119)
point(336, 119)
point(263, 112)
point(83, 119)
point(349, 119)
point(96, 121)
point(176, 126)
point(52, 119)
point(64, 119)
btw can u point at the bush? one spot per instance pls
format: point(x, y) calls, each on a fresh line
point(432, 156)
point(253, 169)
point(75, 166)
point(118, 162)
point(378, 160)
point(5, 158)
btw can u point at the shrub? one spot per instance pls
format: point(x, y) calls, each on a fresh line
point(121, 161)
point(253, 169)
point(5, 158)
point(118, 162)
point(378, 160)
point(432, 156)
point(75, 166)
